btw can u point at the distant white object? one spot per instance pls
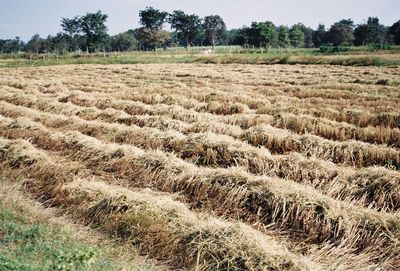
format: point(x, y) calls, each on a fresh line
point(207, 52)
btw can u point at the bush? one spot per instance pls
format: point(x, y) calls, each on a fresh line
point(329, 48)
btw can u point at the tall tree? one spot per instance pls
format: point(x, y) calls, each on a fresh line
point(262, 34)
point(341, 33)
point(319, 36)
point(72, 28)
point(308, 35)
point(394, 30)
point(215, 28)
point(123, 42)
point(151, 35)
point(241, 37)
point(348, 22)
point(36, 45)
point(152, 18)
point(283, 36)
point(149, 39)
point(187, 26)
point(371, 32)
point(95, 30)
point(58, 43)
point(296, 36)
point(11, 46)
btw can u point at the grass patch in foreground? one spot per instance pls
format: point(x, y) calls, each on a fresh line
point(29, 241)
point(29, 246)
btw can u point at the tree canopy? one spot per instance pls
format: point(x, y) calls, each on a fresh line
point(187, 26)
point(215, 28)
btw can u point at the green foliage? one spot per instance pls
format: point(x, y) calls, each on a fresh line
point(30, 246)
point(11, 46)
point(72, 29)
point(308, 35)
point(94, 27)
point(214, 27)
point(394, 31)
point(187, 26)
point(296, 36)
point(262, 34)
point(371, 32)
point(36, 45)
point(283, 37)
point(319, 36)
point(341, 33)
point(150, 35)
point(152, 18)
point(123, 42)
point(329, 48)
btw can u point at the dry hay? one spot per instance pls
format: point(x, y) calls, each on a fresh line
point(246, 173)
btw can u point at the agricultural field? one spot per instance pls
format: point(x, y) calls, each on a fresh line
point(211, 166)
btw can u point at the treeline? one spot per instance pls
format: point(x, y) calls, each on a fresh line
point(89, 33)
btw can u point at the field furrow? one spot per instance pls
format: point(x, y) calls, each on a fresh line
point(203, 149)
point(164, 228)
point(215, 167)
point(288, 205)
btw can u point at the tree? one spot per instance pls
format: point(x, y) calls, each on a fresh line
point(341, 33)
point(296, 36)
point(11, 46)
point(58, 43)
point(262, 34)
point(36, 45)
point(283, 36)
point(371, 32)
point(319, 36)
point(152, 18)
point(94, 27)
point(241, 37)
point(186, 26)
point(123, 42)
point(214, 27)
point(151, 35)
point(72, 28)
point(348, 22)
point(394, 30)
point(308, 35)
point(149, 39)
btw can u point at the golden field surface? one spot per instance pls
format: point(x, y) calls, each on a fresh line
point(215, 167)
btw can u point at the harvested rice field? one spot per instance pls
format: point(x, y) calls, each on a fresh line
point(215, 167)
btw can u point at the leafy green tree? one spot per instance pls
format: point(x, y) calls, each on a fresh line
point(283, 36)
point(394, 30)
point(296, 36)
point(149, 39)
point(241, 37)
point(58, 44)
point(72, 28)
point(214, 27)
point(319, 36)
point(348, 22)
point(262, 34)
point(187, 26)
point(36, 45)
point(308, 35)
point(151, 35)
point(123, 42)
point(371, 32)
point(152, 18)
point(340, 33)
point(12, 46)
point(94, 27)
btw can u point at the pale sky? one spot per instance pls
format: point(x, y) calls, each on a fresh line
point(25, 18)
